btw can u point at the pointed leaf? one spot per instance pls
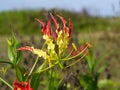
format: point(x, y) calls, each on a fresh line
point(90, 60)
point(107, 83)
point(19, 57)
point(102, 57)
point(11, 54)
point(41, 67)
point(20, 73)
point(7, 62)
point(8, 42)
point(35, 81)
point(101, 69)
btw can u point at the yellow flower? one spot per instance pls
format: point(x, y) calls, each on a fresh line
point(62, 41)
point(40, 53)
point(49, 42)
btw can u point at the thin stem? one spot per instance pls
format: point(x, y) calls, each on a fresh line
point(6, 83)
point(70, 53)
point(76, 61)
point(43, 45)
point(40, 67)
point(76, 55)
point(33, 66)
point(51, 79)
point(5, 62)
point(48, 67)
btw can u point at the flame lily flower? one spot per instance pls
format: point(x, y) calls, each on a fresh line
point(62, 35)
point(21, 85)
point(81, 48)
point(39, 52)
point(45, 28)
point(67, 29)
point(56, 42)
point(62, 39)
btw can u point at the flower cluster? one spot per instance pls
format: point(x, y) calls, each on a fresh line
point(56, 41)
point(21, 85)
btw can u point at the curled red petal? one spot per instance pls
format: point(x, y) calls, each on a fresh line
point(48, 31)
point(28, 48)
point(63, 20)
point(54, 35)
point(41, 22)
point(55, 21)
point(48, 24)
point(21, 85)
point(70, 28)
point(44, 27)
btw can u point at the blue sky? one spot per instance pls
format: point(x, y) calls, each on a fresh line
point(96, 7)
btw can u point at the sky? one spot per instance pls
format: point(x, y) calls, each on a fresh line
point(94, 7)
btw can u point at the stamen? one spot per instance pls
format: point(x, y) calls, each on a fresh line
point(88, 45)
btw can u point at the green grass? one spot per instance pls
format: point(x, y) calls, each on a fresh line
point(23, 21)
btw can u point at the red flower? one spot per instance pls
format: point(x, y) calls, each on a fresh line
point(67, 29)
point(45, 28)
point(83, 49)
point(21, 85)
point(27, 48)
point(55, 21)
point(70, 28)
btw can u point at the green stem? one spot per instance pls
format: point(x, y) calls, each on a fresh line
point(6, 83)
point(41, 67)
point(33, 66)
point(47, 68)
point(75, 61)
point(51, 79)
point(76, 55)
point(70, 53)
point(7, 62)
point(43, 45)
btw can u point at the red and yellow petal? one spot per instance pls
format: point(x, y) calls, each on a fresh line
point(21, 85)
point(26, 48)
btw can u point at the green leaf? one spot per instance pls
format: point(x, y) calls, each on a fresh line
point(107, 83)
point(19, 57)
point(102, 57)
point(39, 69)
point(101, 69)
point(14, 41)
point(7, 62)
point(8, 42)
point(88, 82)
point(20, 73)
point(14, 55)
point(60, 65)
point(11, 54)
point(35, 81)
point(90, 60)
